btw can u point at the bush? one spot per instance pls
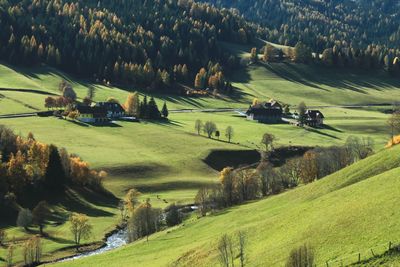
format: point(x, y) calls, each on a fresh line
point(173, 216)
point(24, 218)
point(302, 256)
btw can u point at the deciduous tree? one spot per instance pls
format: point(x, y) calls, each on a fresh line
point(80, 227)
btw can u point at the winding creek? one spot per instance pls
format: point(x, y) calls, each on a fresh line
point(116, 240)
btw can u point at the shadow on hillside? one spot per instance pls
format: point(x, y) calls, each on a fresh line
point(315, 130)
point(316, 76)
point(147, 170)
point(331, 128)
point(173, 185)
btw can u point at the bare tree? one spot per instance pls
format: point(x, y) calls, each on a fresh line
point(242, 247)
point(202, 201)
point(302, 256)
point(229, 133)
point(198, 126)
point(225, 251)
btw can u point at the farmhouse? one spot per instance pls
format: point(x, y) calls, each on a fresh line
point(314, 118)
point(92, 114)
point(266, 112)
point(113, 110)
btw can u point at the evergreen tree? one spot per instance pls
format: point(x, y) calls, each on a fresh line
point(54, 176)
point(153, 111)
point(165, 111)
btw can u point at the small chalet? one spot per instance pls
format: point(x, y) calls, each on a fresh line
point(114, 110)
point(89, 114)
point(314, 118)
point(267, 112)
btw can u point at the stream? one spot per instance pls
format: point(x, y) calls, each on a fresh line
point(114, 241)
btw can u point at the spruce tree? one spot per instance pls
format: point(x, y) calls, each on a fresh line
point(165, 111)
point(153, 111)
point(55, 176)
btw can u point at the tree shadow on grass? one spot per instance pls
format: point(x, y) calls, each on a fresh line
point(74, 202)
point(314, 130)
point(331, 128)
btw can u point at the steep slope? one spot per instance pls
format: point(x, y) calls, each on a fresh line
point(345, 213)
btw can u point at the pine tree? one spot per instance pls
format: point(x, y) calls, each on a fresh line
point(153, 111)
point(165, 111)
point(54, 176)
point(144, 108)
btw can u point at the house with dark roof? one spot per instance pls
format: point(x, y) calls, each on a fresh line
point(314, 118)
point(266, 112)
point(90, 114)
point(114, 110)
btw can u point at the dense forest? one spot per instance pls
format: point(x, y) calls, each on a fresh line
point(362, 34)
point(146, 43)
point(321, 24)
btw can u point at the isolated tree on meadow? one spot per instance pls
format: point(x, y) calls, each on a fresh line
point(268, 142)
point(226, 254)
point(40, 214)
point(242, 242)
point(91, 92)
point(209, 128)
point(164, 110)
point(217, 134)
point(198, 125)
point(24, 218)
point(302, 108)
point(229, 133)
point(80, 227)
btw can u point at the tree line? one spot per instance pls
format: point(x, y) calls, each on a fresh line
point(236, 186)
point(210, 129)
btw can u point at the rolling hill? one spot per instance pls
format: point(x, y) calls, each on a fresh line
point(341, 215)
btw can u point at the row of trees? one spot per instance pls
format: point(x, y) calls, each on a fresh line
point(210, 128)
point(144, 109)
point(143, 219)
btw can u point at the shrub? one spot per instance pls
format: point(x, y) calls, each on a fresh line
point(24, 218)
point(173, 216)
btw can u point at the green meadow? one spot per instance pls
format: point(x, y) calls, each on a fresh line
point(165, 162)
point(334, 215)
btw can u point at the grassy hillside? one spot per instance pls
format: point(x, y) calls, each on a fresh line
point(345, 213)
point(166, 159)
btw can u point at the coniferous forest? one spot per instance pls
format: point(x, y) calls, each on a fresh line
point(146, 43)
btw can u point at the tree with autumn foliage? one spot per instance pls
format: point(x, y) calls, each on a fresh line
point(131, 200)
point(80, 228)
point(227, 181)
point(132, 104)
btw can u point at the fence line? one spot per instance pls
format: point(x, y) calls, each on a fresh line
point(358, 257)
